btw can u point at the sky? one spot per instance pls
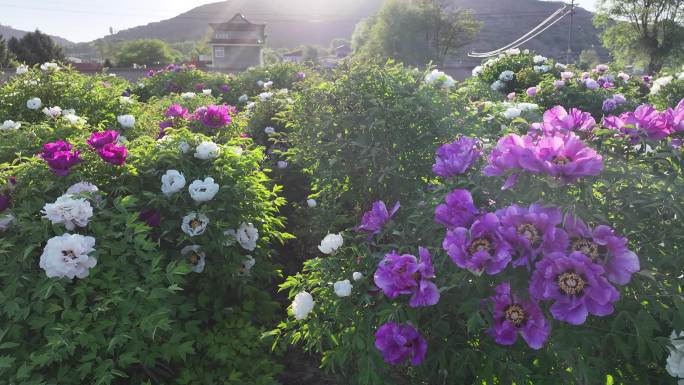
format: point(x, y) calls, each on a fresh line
point(86, 20)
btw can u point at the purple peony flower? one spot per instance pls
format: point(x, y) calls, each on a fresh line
point(575, 284)
point(5, 200)
point(532, 91)
point(400, 343)
point(608, 85)
point(176, 111)
point(609, 105)
point(604, 247)
point(171, 87)
point(482, 248)
point(459, 210)
point(224, 87)
point(591, 84)
point(111, 153)
point(151, 217)
point(532, 231)
point(213, 116)
point(645, 122)
point(558, 119)
point(567, 158)
point(455, 158)
point(513, 316)
point(619, 98)
point(404, 274)
point(99, 139)
point(300, 75)
point(558, 83)
point(59, 157)
point(150, 73)
point(199, 86)
point(511, 153)
point(374, 220)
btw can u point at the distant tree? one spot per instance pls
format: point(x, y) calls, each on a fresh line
point(589, 58)
point(648, 31)
point(272, 56)
point(145, 52)
point(6, 57)
point(415, 31)
point(310, 54)
point(34, 48)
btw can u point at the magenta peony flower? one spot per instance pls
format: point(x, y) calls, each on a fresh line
point(645, 122)
point(300, 75)
point(111, 153)
point(558, 119)
point(482, 248)
point(374, 220)
point(532, 231)
point(151, 217)
point(604, 247)
point(213, 116)
point(575, 284)
point(459, 210)
point(455, 158)
point(404, 274)
point(513, 316)
point(567, 158)
point(59, 157)
point(99, 139)
point(400, 343)
point(176, 111)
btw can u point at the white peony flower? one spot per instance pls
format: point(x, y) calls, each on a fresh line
point(331, 243)
point(302, 305)
point(125, 100)
point(541, 69)
point(311, 202)
point(268, 84)
point(126, 121)
point(33, 103)
point(560, 66)
point(623, 76)
point(477, 71)
point(660, 83)
point(184, 147)
point(506, 76)
point(260, 83)
point(203, 190)
point(5, 221)
point(73, 118)
point(269, 130)
point(195, 256)
point(52, 112)
point(356, 276)
point(680, 76)
point(264, 96)
point(512, 113)
point(567, 75)
point(441, 78)
point(81, 188)
point(10, 125)
point(22, 69)
point(67, 256)
point(69, 211)
point(237, 150)
point(188, 95)
point(527, 106)
point(247, 236)
point(675, 361)
point(243, 98)
point(282, 164)
point(172, 182)
point(247, 265)
point(514, 51)
point(194, 224)
point(49, 66)
point(207, 150)
point(141, 85)
point(538, 59)
point(497, 85)
point(343, 288)
point(206, 92)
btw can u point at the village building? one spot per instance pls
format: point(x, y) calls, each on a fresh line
point(237, 44)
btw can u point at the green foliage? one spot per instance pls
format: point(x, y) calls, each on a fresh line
point(648, 31)
point(35, 48)
point(671, 93)
point(148, 52)
point(588, 59)
point(415, 33)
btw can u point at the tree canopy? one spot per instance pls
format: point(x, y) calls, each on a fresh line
point(34, 48)
point(415, 31)
point(145, 52)
point(648, 32)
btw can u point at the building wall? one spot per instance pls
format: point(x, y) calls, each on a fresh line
point(238, 57)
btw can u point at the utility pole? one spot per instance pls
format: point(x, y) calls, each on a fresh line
point(572, 17)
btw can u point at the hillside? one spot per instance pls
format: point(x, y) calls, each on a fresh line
point(8, 32)
point(318, 22)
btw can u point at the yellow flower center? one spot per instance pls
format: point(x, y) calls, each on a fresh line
point(529, 232)
point(515, 314)
point(571, 283)
point(560, 160)
point(480, 244)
